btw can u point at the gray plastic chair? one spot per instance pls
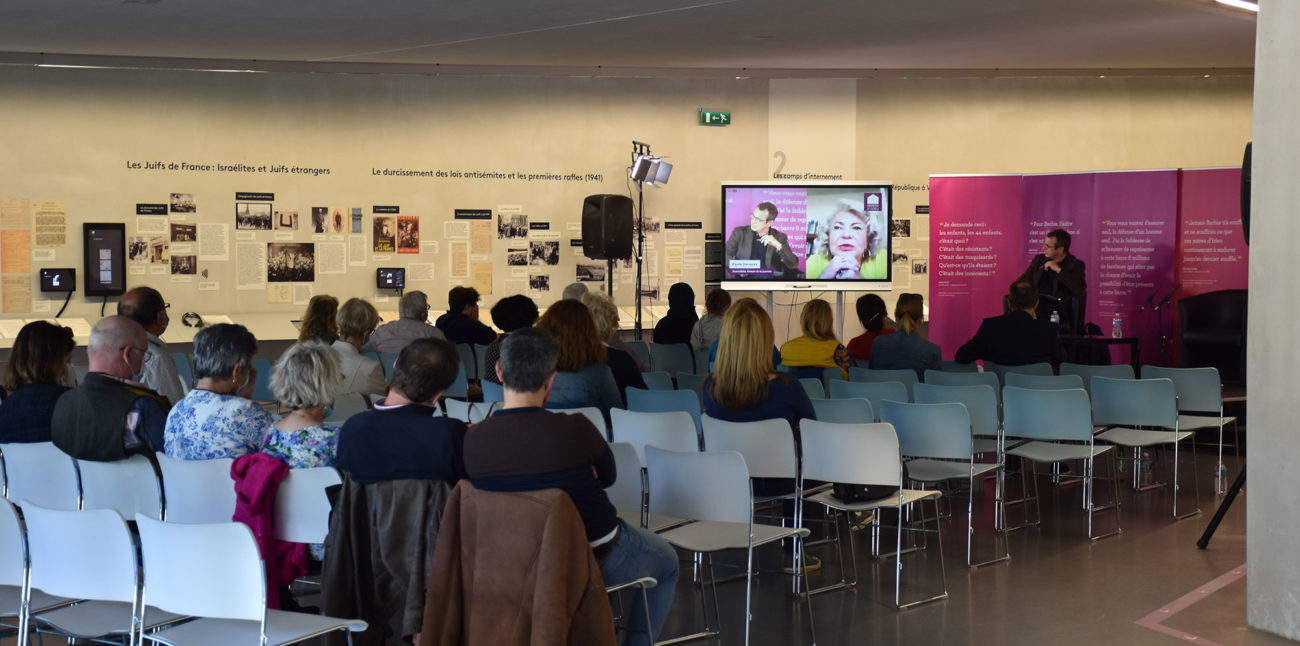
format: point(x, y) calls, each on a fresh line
point(127, 486)
point(40, 473)
point(666, 429)
point(1200, 392)
point(198, 491)
point(1142, 413)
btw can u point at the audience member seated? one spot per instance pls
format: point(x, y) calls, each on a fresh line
point(304, 380)
point(609, 333)
point(35, 377)
point(146, 306)
point(817, 347)
point(676, 325)
point(622, 364)
point(460, 324)
point(523, 447)
point(706, 330)
point(872, 314)
point(405, 436)
point(509, 314)
point(318, 321)
point(1016, 338)
point(412, 323)
point(108, 416)
point(218, 418)
point(583, 379)
point(357, 320)
point(573, 291)
point(906, 348)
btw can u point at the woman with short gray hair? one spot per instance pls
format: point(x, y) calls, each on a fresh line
point(305, 380)
point(218, 418)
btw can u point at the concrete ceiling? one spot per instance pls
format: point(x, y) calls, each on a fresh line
point(812, 35)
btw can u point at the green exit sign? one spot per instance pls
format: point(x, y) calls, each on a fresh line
point(714, 118)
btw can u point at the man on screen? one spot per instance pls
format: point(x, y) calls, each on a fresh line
point(759, 241)
point(1059, 278)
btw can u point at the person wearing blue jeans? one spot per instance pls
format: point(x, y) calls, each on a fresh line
point(524, 447)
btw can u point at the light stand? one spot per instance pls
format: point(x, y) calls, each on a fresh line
point(1160, 323)
point(639, 151)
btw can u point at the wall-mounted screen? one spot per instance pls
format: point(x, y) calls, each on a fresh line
point(105, 254)
point(58, 280)
point(390, 277)
point(810, 235)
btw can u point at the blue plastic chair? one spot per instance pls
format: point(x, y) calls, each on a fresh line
point(1044, 369)
point(905, 376)
point(657, 380)
point(813, 387)
point(981, 403)
point(1087, 372)
point(944, 378)
point(460, 387)
point(492, 392)
point(262, 385)
point(673, 358)
point(387, 361)
point(1044, 382)
point(687, 381)
point(848, 410)
point(642, 351)
point(662, 401)
point(183, 369)
point(953, 366)
point(372, 354)
point(872, 391)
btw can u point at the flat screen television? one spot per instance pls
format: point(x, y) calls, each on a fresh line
point(390, 278)
point(104, 245)
point(58, 280)
point(832, 236)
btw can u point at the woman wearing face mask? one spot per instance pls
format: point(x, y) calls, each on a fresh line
point(852, 248)
point(218, 418)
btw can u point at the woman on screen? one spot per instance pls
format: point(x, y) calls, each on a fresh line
point(851, 247)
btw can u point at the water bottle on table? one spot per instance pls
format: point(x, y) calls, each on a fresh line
point(1117, 327)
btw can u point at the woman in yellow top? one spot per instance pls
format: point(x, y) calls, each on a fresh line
point(851, 248)
point(817, 347)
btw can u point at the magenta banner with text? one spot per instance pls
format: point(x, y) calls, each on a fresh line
point(1212, 252)
point(972, 244)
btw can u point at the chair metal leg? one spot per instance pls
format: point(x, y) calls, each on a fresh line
point(1090, 473)
point(839, 549)
point(1196, 486)
point(898, 563)
point(998, 533)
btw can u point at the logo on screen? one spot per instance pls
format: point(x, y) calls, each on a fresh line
point(872, 202)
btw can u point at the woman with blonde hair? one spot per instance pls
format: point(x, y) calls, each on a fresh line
point(817, 348)
point(318, 321)
point(906, 348)
point(745, 385)
point(357, 320)
point(851, 244)
point(305, 380)
point(582, 378)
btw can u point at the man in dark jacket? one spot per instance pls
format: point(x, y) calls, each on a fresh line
point(759, 241)
point(1017, 338)
point(1059, 279)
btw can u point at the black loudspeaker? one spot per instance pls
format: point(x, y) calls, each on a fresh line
point(607, 227)
point(1245, 194)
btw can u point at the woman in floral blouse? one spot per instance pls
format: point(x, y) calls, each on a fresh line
point(218, 418)
point(306, 379)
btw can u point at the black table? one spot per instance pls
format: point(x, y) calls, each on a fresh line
point(1134, 346)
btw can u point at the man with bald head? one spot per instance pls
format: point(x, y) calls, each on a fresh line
point(146, 306)
point(109, 416)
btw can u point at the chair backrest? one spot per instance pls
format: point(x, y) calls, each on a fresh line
point(1044, 382)
point(13, 546)
point(851, 453)
point(846, 410)
point(198, 491)
point(654, 401)
point(941, 431)
point(657, 380)
point(81, 554)
point(302, 510)
point(593, 414)
point(626, 492)
point(673, 358)
point(702, 367)
point(704, 485)
point(832, 374)
point(346, 405)
point(670, 430)
point(1046, 414)
point(641, 350)
point(370, 354)
point(262, 384)
point(872, 391)
point(1134, 402)
point(1027, 369)
point(492, 392)
point(127, 486)
point(458, 409)
point(694, 382)
point(953, 366)
point(1200, 390)
point(387, 361)
point(40, 473)
point(1087, 372)
point(945, 378)
point(466, 352)
point(480, 359)
point(206, 570)
point(814, 387)
point(980, 401)
point(767, 445)
point(183, 369)
point(905, 376)
point(459, 387)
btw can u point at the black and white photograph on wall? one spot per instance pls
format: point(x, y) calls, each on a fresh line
point(185, 265)
point(184, 232)
point(338, 219)
point(385, 234)
point(286, 220)
point(356, 219)
point(920, 266)
point(290, 262)
point(159, 250)
point(514, 225)
point(544, 252)
point(539, 282)
point(517, 257)
point(408, 234)
point(901, 228)
point(651, 226)
point(650, 290)
point(319, 215)
point(183, 203)
point(900, 258)
point(255, 216)
point(137, 249)
point(589, 272)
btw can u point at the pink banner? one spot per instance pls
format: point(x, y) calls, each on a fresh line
point(1212, 252)
point(975, 242)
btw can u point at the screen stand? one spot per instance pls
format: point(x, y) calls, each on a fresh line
point(839, 315)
